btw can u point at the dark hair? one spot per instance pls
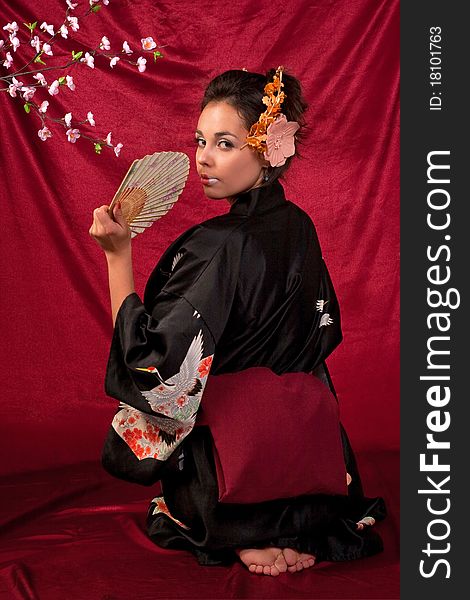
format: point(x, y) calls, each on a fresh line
point(245, 90)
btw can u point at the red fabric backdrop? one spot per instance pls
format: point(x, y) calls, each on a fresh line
point(57, 327)
point(57, 323)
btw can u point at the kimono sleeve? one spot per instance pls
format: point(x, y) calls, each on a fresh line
point(161, 356)
point(157, 368)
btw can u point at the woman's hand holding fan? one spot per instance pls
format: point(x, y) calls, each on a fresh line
point(150, 188)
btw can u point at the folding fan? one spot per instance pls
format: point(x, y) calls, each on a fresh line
point(150, 188)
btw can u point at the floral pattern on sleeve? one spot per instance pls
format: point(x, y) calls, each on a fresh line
point(177, 399)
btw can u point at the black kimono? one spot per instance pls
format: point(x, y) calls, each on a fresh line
point(245, 289)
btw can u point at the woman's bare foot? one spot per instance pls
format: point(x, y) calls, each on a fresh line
point(296, 561)
point(265, 561)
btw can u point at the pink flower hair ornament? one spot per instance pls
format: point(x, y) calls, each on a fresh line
point(273, 135)
point(280, 141)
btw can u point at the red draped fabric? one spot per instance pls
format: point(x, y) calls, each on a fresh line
point(57, 327)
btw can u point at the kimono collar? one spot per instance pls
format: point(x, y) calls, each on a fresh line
point(259, 200)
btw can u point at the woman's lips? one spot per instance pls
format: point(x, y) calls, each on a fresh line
point(208, 180)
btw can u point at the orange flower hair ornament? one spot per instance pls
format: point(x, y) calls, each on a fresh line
point(273, 135)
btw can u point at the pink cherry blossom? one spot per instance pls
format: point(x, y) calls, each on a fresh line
point(14, 86)
point(46, 48)
point(70, 5)
point(90, 118)
point(45, 27)
point(73, 23)
point(69, 82)
point(54, 88)
point(44, 105)
point(113, 61)
point(105, 45)
point(11, 27)
point(73, 135)
point(117, 148)
point(36, 43)
point(68, 119)
point(280, 140)
point(141, 62)
point(89, 59)
point(148, 43)
point(15, 42)
point(44, 133)
point(108, 139)
point(64, 32)
point(106, 2)
point(9, 60)
point(126, 49)
point(28, 92)
point(40, 78)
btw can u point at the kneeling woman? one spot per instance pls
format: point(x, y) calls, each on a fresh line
point(225, 396)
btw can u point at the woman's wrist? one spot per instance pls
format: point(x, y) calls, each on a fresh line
point(119, 256)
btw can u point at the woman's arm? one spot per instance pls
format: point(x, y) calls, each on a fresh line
point(114, 237)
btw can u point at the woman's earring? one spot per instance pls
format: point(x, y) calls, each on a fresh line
point(266, 176)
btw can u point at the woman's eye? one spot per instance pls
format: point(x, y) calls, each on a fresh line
point(226, 142)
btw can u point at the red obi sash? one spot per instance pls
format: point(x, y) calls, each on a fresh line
point(275, 436)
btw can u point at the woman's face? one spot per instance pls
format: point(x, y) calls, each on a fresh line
point(220, 134)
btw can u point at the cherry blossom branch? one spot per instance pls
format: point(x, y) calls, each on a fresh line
point(16, 88)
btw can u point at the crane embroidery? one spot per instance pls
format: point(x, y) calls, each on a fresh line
point(321, 304)
point(177, 399)
point(325, 320)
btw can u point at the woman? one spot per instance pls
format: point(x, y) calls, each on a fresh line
point(245, 297)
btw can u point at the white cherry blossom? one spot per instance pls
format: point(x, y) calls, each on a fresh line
point(117, 148)
point(11, 27)
point(1, 43)
point(28, 92)
point(105, 45)
point(14, 86)
point(141, 62)
point(15, 42)
point(148, 43)
point(113, 61)
point(68, 119)
point(69, 82)
point(90, 118)
point(44, 105)
point(70, 5)
point(54, 88)
point(108, 139)
point(36, 43)
point(126, 49)
point(9, 60)
point(44, 133)
point(89, 59)
point(46, 48)
point(73, 23)
point(73, 135)
point(64, 32)
point(40, 78)
point(45, 27)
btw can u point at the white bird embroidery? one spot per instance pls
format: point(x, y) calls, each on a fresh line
point(183, 388)
point(176, 259)
point(321, 304)
point(325, 320)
